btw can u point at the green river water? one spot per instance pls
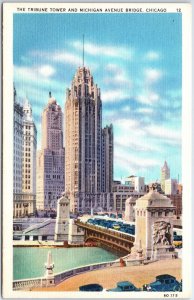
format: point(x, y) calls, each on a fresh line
point(28, 262)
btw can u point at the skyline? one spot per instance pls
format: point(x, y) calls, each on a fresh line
point(137, 69)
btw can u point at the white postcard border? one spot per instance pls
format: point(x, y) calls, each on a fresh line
point(8, 10)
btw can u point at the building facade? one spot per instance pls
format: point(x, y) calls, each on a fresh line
point(107, 159)
point(50, 175)
point(136, 183)
point(29, 150)
point(18, 144)
point(165, 174)
point(24, 169)
point(171, 187)
point(177, 202)
point(83, 142)
point(116, 201)
point(24, 204)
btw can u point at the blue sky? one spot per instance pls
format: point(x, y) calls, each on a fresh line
point(136, 61)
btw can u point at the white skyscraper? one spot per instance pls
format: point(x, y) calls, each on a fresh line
point(171, 186)
point(18, 143)
point(165, 174)
point(24, 169)
point(29, 150)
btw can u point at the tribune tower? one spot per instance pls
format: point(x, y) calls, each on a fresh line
point(83, 125)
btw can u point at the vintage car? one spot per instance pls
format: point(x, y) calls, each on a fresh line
point(163, 283)
point(177, 241)
point(124, 286)
point(93, 287)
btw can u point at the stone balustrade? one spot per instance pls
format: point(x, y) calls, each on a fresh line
point(27, 284)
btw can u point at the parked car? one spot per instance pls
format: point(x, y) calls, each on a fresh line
point(177, 237)
point(93, 287)
point(163, 283)
point(116, 226)
point(124, 286)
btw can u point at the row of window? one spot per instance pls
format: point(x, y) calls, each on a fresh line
point(27, 154)
point(27, 133)
point(26, 171)
point(27, 176)
point(26, 187)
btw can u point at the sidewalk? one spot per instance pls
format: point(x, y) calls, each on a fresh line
point(108, 278)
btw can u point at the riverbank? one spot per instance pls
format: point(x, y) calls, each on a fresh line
point(108, 278)
point(51, 244)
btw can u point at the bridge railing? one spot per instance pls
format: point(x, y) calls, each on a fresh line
point(30, 283)
point(70, 273)
point(27, 283)
point(107, 231)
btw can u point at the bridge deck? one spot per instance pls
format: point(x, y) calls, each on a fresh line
point(111, 238)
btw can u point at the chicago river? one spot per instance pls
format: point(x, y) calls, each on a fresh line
point(29, 261)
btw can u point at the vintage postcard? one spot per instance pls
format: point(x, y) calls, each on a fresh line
point(96, 150)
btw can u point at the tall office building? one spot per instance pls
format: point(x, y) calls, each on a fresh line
point(24, 198)
point(18, 143)
point(83, 142)
point(107, 159)
point(29, 150)
point(171, 186)
point(50, 181)
point(165, 174)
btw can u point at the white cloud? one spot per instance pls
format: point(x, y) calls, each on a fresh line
point(133, 163)
point(119, 79)
point(113, 95)
point(25, 73)
point(46, 71)
point(148, 98)
point(106, 50)
point(152, 75)
point(117, 76)
point(125, 109)
point(33, 76)
point(128, 128)
point(152, 56)
point(112, 67)
point(168, 135)
point(145, 110)
point(62, 56)
point(65, 57)
point(138, 143)
point(126, 124)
